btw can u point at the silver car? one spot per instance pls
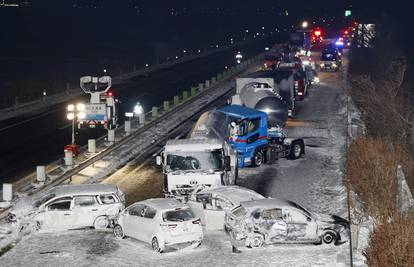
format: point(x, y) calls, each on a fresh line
point(268, 221)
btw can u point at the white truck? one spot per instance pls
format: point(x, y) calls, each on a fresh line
point(191, 163)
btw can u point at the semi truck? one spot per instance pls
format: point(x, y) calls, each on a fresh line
point(250, 134)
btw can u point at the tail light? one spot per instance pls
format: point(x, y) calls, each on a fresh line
point(296, 84)
point(198, 221)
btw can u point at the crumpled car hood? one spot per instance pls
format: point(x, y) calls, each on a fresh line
point(329, 220)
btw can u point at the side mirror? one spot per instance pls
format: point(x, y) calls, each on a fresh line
point(226, 163)
point(158, 160)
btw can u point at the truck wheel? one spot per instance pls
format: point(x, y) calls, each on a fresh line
point(296, 150)
point(258, 158)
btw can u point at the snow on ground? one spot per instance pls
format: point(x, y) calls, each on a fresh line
point(100, 248)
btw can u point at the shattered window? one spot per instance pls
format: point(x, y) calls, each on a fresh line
point(273, 214)
point(177, 215)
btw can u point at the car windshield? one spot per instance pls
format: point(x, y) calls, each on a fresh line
point(42, 200)
point(296, 205)
point(328, 56)
point(178, 215)
point(200, 161)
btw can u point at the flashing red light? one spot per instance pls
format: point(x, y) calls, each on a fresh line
point(109, 93)
point(318, 33)
point(346, 32)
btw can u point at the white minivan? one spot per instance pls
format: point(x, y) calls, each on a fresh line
point(71, 207)
point(160, 222)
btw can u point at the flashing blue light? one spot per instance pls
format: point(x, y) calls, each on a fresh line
point(339, 43)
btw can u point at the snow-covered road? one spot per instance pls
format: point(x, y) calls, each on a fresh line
point(314, 181)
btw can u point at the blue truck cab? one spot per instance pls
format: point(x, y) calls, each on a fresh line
point(249, 136)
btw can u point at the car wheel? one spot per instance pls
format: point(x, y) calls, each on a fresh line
point(258, 158)
point(119, 232)
point(256, 241)
point(296, 150)
point(101, 222)
point(155, 245)
point(329, 237)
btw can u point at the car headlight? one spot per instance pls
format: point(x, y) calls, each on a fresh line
point(322, 65)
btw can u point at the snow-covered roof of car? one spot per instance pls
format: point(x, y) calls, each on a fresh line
point(233, 193)
point(266, 203)
point(82, 189)
point(164, 203)
point(193, 144)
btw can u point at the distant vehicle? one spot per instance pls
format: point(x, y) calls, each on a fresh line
point(70, 207)
point(268, 221)
point(161, 222)
point(239, 57)
point(317, 36)
point(330, 61)
point(301, 84)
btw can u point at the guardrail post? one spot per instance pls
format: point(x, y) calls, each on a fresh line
point(185, 95)
point(111, 135)
point(166, 105)
point(7, 192)
point(207, 84)
point(127, 127)
point(40, 174)
point(154, 112)
point(213, 80)
point(176, 100)
point(92, 142)
point(193, 91)
point(141, 118)
point(200, 87)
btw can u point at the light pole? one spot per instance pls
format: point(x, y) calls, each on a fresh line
point(73, 112)
point(139, 110)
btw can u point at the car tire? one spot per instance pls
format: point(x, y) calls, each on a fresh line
point(119, 232)
point(329, 237)
point(156, 245)
point(101, 222)
point(258, 158)
point(296, 150)
point(256, 241)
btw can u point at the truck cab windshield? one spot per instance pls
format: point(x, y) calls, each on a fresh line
point(189, 161)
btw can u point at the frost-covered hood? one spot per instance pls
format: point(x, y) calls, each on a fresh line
point(23, 207)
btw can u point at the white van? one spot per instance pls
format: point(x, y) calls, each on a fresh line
point(71, 207)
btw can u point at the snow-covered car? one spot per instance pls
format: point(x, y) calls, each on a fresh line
point(161, 222)
point(211, 203)
point(268, 221)
point(70, 207)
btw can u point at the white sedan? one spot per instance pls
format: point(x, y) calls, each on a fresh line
point(160, 222)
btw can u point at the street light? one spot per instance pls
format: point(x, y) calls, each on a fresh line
point(138, 109)
point(305, 24)
point(73, 112)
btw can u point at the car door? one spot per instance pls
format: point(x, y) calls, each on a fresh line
point(131, 222)
point(59, 214)
point(148, 224)
point(85, 210)
point(274, 225)
point(297, 227)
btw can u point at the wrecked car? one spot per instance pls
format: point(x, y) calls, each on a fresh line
point(161, 222)
point(211, 203)
point(69, 207)
point(268, 221)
